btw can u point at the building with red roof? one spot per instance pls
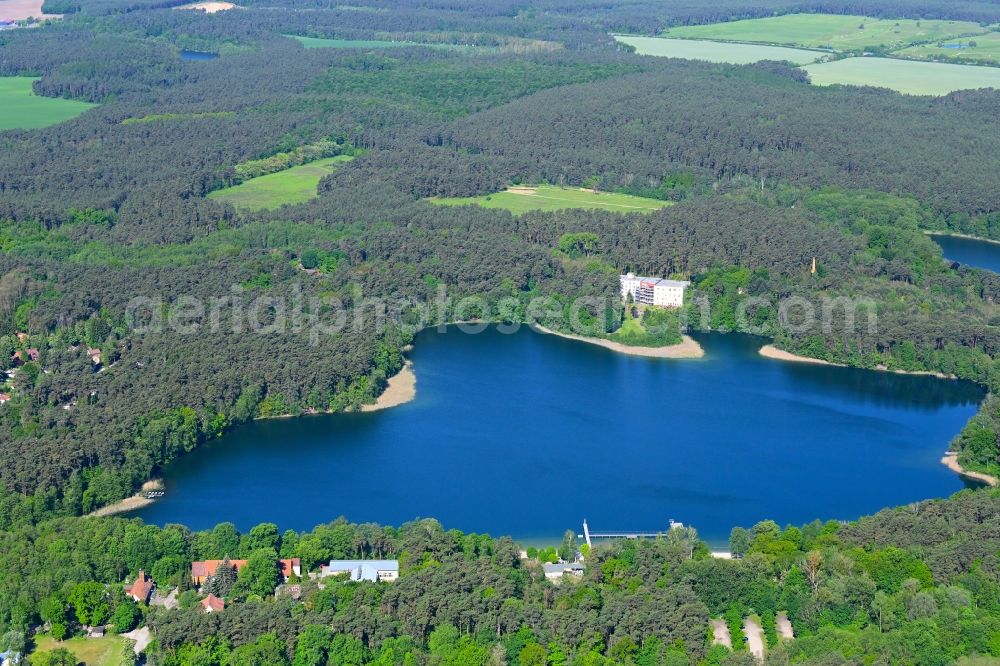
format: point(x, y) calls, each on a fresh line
point(141, 589)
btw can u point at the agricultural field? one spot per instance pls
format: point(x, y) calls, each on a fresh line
point(912, 77)
point(724, 52)
point(105, 651)
point(981, 48)
point(549, 197)
point(21, 108)
point(291, 186)
point(828, 31)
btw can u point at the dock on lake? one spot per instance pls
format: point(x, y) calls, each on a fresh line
point(588, 536)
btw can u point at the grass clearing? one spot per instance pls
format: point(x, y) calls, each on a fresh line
point(913, 77)
point(324, 43)
point(724, 52)
point(21, 108)
point(549, 197)
point(291, 186)
point(831, 31)
point(981, 48)
point(105, 651)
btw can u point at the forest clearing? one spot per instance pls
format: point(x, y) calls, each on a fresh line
point(21, 108)
point(291, 186)
point(521, 199)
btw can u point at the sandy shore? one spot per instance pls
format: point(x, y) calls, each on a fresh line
point(958, 235)
point(950, 460)
point(402, 388)
point(687, 348)
point(770, 351)
point(137, 501)
point(210, 7)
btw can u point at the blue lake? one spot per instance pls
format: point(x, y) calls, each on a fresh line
point(970, 251)
point(198, 55)
point(528, 434)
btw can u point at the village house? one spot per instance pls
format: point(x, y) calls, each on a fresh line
point(555, 572)
point(141, 589)
point(200, 571)
point(213, 604)
point(4, 397)
point(95, 355)
point(370, 570)
point(653, 291)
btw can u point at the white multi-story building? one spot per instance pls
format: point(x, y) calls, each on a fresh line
point(654, 291)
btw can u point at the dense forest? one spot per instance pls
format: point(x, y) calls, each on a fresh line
point(765, 172)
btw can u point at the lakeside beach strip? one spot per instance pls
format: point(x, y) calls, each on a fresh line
point(401, 388)
point(132, 503)
point(687, 348)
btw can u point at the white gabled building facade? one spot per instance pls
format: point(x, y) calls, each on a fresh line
point(653, 291)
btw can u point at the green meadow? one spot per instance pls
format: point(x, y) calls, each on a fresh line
point(841, 33)
point(912, 77)
point(725, 52)
point(21, 108)
point(983, 48)
point(105, 651)
point(549, 197)
point(291, 186)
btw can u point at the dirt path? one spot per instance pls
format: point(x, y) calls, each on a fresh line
point(141, 637)
point(687, 348)
point(755, 637)
point(402, 388)
point(784, 627)
point(720, 633)
point(137, 501)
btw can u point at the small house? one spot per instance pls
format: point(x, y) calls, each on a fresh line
point(356, 570)
point(95, 355)
point(4, 397)
point(290, 567)
point(213, 604)
point(141, 589)
point(555, 572)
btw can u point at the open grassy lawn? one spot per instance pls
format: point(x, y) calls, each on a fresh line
point(291, 186)
point(20, 108)
point(105, 651)
point(907, 76)
point(829, 31)
point(736, 54)
point(983, 48)
point(548, 197)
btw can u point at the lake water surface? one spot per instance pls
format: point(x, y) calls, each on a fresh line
point(970, 251)
point(528, 434)
point(198, 55)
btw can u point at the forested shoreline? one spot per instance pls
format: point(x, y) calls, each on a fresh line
point(766, 173)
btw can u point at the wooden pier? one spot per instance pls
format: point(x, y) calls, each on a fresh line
point(589, 536)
